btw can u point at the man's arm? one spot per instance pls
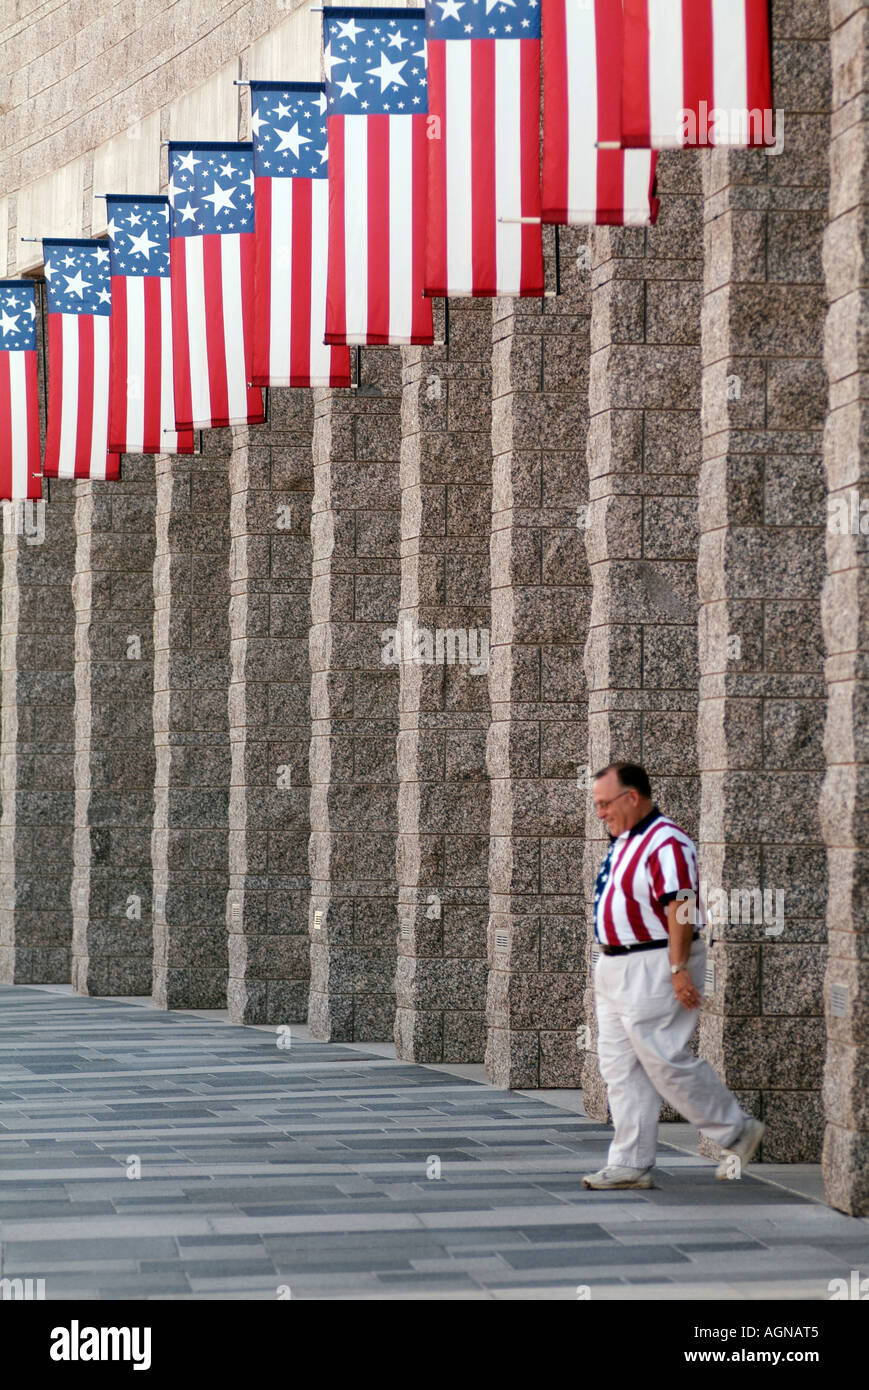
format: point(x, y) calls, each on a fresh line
point(681, 935)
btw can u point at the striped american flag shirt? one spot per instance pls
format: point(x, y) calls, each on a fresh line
point(643, 871)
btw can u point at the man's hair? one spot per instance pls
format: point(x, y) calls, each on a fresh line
point(630, 775)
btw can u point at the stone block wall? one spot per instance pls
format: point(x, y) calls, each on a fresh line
point(114, 737)
point(845, 796)
point(762, 696)
point(271, 482)
point(630, 486)
point(191, 726)
point(443, 797)
point(537, 745)
point(641, 536)
point(38, 748)
point(355, 586)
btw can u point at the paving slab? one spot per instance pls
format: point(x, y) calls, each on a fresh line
point(340, 1173)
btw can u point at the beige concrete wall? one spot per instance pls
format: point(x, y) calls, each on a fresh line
point(89, 87)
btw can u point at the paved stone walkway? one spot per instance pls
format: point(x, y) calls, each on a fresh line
point(308, 1168)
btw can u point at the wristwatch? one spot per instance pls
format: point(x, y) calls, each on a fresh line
point(674, 969)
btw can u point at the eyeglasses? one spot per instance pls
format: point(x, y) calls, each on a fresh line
point(605, 805)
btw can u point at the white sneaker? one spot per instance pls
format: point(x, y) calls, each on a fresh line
point(752, 1133)
point(619, 1177)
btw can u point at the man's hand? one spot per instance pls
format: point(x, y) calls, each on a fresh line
point(681, 928)
point(685, 991)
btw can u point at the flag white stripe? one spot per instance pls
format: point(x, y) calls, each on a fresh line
point(666, 98)
point(167, 388)
point(637, 177)
point(200, 394)
point(233, 325)
point(356, 226)
point(457, 134)
point(281, 300)
point(321, 355)
point(730, 67)
point(20, 423)
point(99, 437)
point(69, 399)
point(582, 127)
point(400, 228)
point(135, 433)
point(508, 167)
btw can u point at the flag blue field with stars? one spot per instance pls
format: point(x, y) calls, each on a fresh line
point(79, 304)
point(19, 392)
point(291, 235)
point(141, 397)
point(376, 105)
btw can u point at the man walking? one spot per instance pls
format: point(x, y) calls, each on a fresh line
point(648, 996)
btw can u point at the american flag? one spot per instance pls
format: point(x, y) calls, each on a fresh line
point(211, 260)
point(687, 61)
point(376, 103)
point(582, 50)
point(483, 173)
point(291, 203)
point(19, 400)
point(141, 401)
point(79, 292)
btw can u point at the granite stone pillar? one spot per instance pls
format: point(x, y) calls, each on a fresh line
point(271, 482)
point(38, 739)
point(845, 799)
point(112, 591)
point(641, 541)
point(538, 736)
point(443, 635)
point(354, 703)
point(191, 727)
point(761, 710)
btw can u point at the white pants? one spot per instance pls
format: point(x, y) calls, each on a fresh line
point(643, 1032)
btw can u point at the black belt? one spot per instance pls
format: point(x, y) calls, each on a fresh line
point(640, 946)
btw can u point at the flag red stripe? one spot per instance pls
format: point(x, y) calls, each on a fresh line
point(758, 84)
point(483, 125)
point(153, 349)
point(31, 377)
point(6, 408)
point(421, 320)
point(180, 340)
point(531, 273)
point(610, 163)
point(118, 359)
point(555, 111)
point(262, 291)
point(636, 108)
point(247, 255)
point(336, 292)
point(377, 131)
point(339, 370)
point(436, 140)
point(300, 329)
point(697, 63)
point(55, 395)
point(85, 412)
